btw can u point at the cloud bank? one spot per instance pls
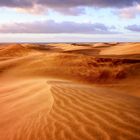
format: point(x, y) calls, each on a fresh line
point(68, 3)
point(135, 28)
point(67, 6)
point(51, 26)
point(124, 8)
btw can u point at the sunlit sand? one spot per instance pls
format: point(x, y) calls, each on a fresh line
point(70, 91)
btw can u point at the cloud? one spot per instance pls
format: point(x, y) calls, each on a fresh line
point(16, 3)
point(71, 11)
point(135, 28)
point(129, 12)
point(69, 3)
point(53, 27)
point(66, 6)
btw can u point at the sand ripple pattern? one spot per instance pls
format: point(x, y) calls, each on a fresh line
point(22, 108)
point(69, 112)
point(89, 113)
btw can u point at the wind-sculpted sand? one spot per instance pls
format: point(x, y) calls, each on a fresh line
point(21, 102)
point(62, 95)
point(122, 49)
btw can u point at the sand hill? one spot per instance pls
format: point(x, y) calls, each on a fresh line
point(14, 50)
point(122, 49)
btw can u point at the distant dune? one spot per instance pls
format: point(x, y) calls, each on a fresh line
point(14, 50)
point(122, 49)
point(70, 91)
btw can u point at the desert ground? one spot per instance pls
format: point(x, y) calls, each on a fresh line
point(70, 91)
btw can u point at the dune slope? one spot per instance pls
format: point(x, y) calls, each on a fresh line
point(122, 49)
point(28, 110)
point(20, 103)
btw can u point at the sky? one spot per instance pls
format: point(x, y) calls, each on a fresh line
point(69, 20)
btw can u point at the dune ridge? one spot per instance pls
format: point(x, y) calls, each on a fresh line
point(82, 68)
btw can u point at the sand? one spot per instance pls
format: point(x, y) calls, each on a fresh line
point(122, 49)
point(59, 94)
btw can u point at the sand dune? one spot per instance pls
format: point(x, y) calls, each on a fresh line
point(57, 94)
point(28, 110)
point(122, 49)
point(72, 66)
point(14, 50)
point(71, 47)
point(21, 102)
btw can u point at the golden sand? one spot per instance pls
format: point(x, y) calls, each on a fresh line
point(59, 92)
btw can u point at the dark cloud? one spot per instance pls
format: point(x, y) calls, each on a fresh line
point(16, 3)
point(53, 27)
point(135, 28)
point(68, 3)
